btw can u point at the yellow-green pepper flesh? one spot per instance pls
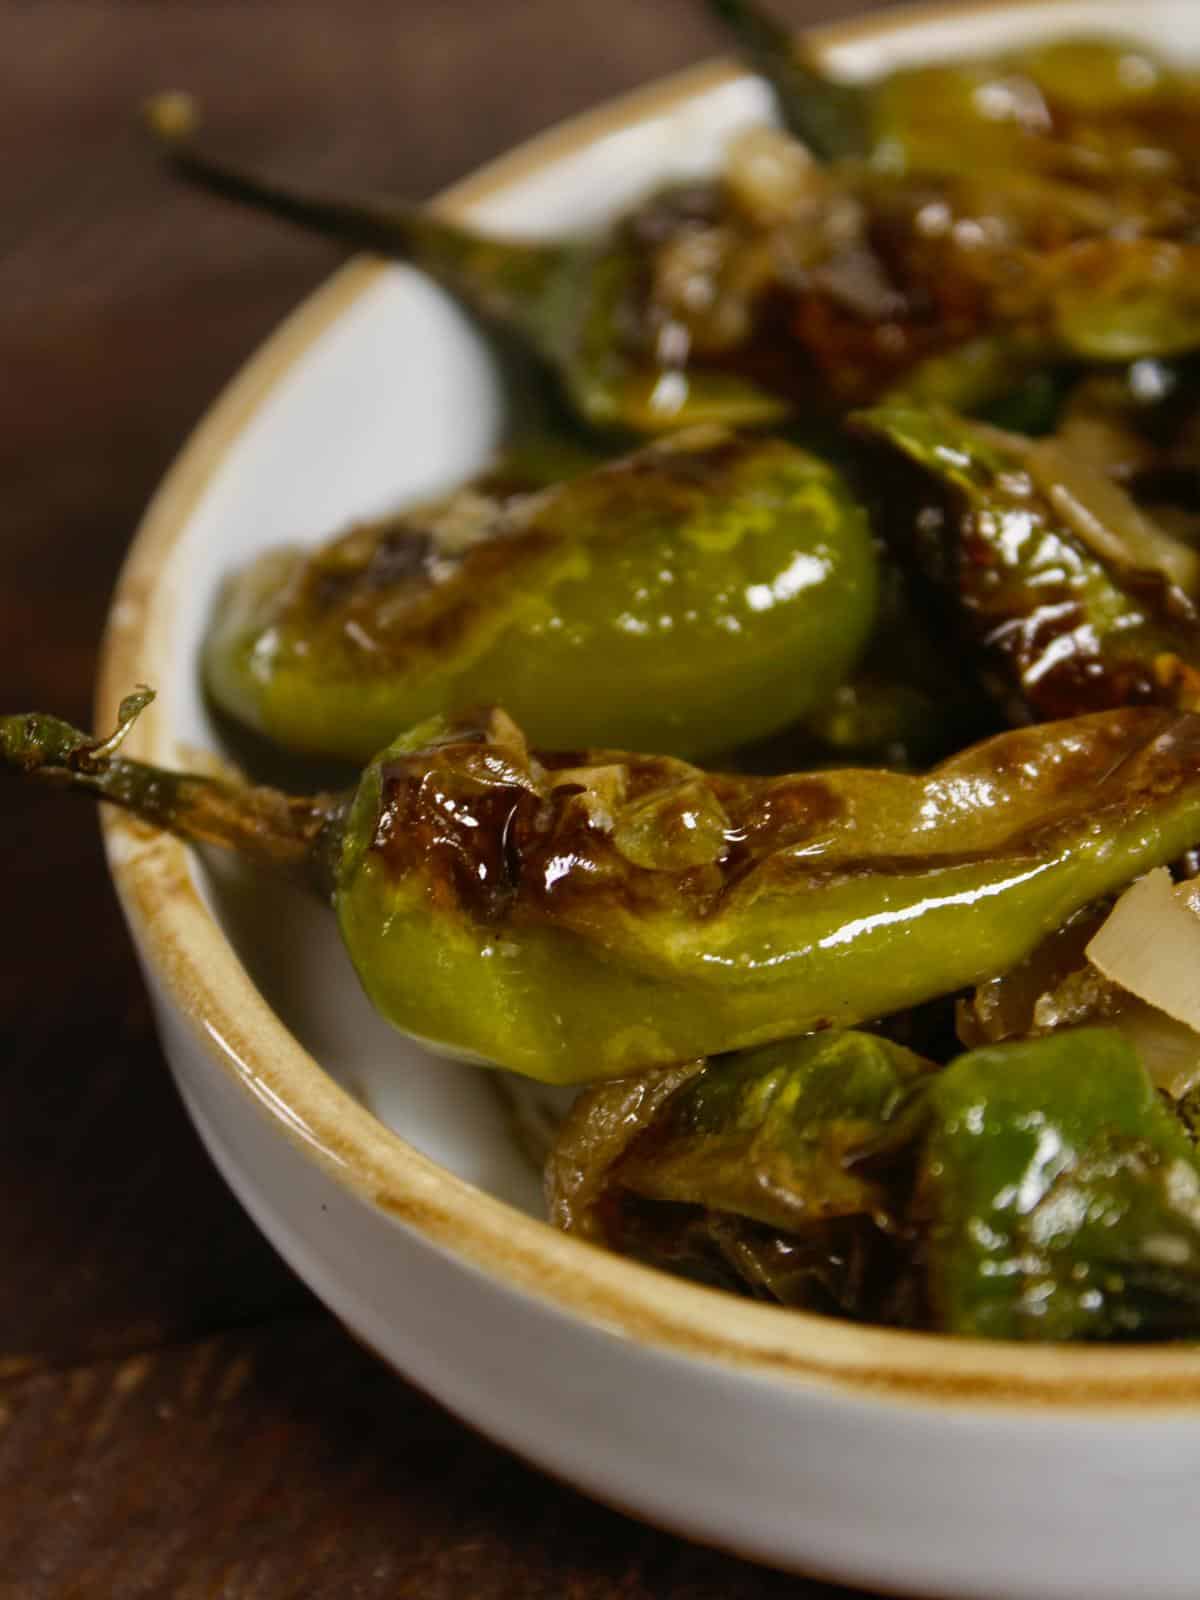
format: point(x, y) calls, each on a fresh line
point(581, 917)
point(695, 596)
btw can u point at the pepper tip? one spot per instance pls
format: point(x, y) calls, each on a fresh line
point(171, 116)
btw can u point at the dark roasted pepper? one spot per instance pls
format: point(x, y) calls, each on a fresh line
point(581, 916)
point(1035, 1190)
point(1076, 600)
point(750, 1170)
point(700, 594)
point(1028, 209)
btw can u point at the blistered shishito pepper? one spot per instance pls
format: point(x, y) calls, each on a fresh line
point(742, 299)
point(750, 1170)
point(700, 594)
point(1022, 210)
point(579, 916)
point(1058, 1196)
point(1034, 1190)
point(1074, 609)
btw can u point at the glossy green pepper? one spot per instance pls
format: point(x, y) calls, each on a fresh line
point(581, 916)
point(1035, 1190)
point(1058, 1196)
point(763, 1170)
point(700, 594)
point(671, 914)
point(1066, 625)
point(1024, 210)
point(1053, 198)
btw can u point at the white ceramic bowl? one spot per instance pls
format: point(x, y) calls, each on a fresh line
point(391, 1181)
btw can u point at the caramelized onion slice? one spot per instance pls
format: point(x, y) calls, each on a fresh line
point(1150, 946)
point(1107, 520)
point(1169, 1050)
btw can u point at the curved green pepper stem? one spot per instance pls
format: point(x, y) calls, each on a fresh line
point(829, 117)
point(285, 832)
point(503, 279)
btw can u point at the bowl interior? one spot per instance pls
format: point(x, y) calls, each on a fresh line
point(397, 398)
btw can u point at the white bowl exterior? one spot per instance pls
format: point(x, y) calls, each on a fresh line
point(923, 1499)
point(394, 399)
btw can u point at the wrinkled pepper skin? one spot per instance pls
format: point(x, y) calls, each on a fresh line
point(695, 596)
point(577, 917)
point(749, 1169)
point(700, 306)
point(770, 1134)
point(1059, 1194)
point(1061, 632)
point(587, 916)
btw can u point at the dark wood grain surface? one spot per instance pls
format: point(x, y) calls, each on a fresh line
point(178, 1417)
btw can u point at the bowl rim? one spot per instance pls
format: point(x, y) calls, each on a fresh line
point(186, 949)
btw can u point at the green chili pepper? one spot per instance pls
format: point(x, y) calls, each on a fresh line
point(583, 916)
point(1033, 1190)
point(697, 595)
point(750, 1168)
point(568, 300)
point(701, 306)
point(1058, 1195)
point(1063, 628)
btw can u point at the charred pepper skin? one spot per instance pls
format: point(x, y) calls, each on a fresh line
point(1040, 1189)
point(1061, 226)
point(602, 913)
point(695, 596)
point(749, 1170)
point(1060, 630)
point(768, 1134)
point(1058, 1195)
point(587, 915)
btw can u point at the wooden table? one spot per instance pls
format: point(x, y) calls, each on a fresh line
point(177, 1415)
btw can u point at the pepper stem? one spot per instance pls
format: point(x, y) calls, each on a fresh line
point(500, 278)
point(828, 117)
point(286, 832)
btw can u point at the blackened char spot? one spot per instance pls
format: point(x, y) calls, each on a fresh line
point(400, 555)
